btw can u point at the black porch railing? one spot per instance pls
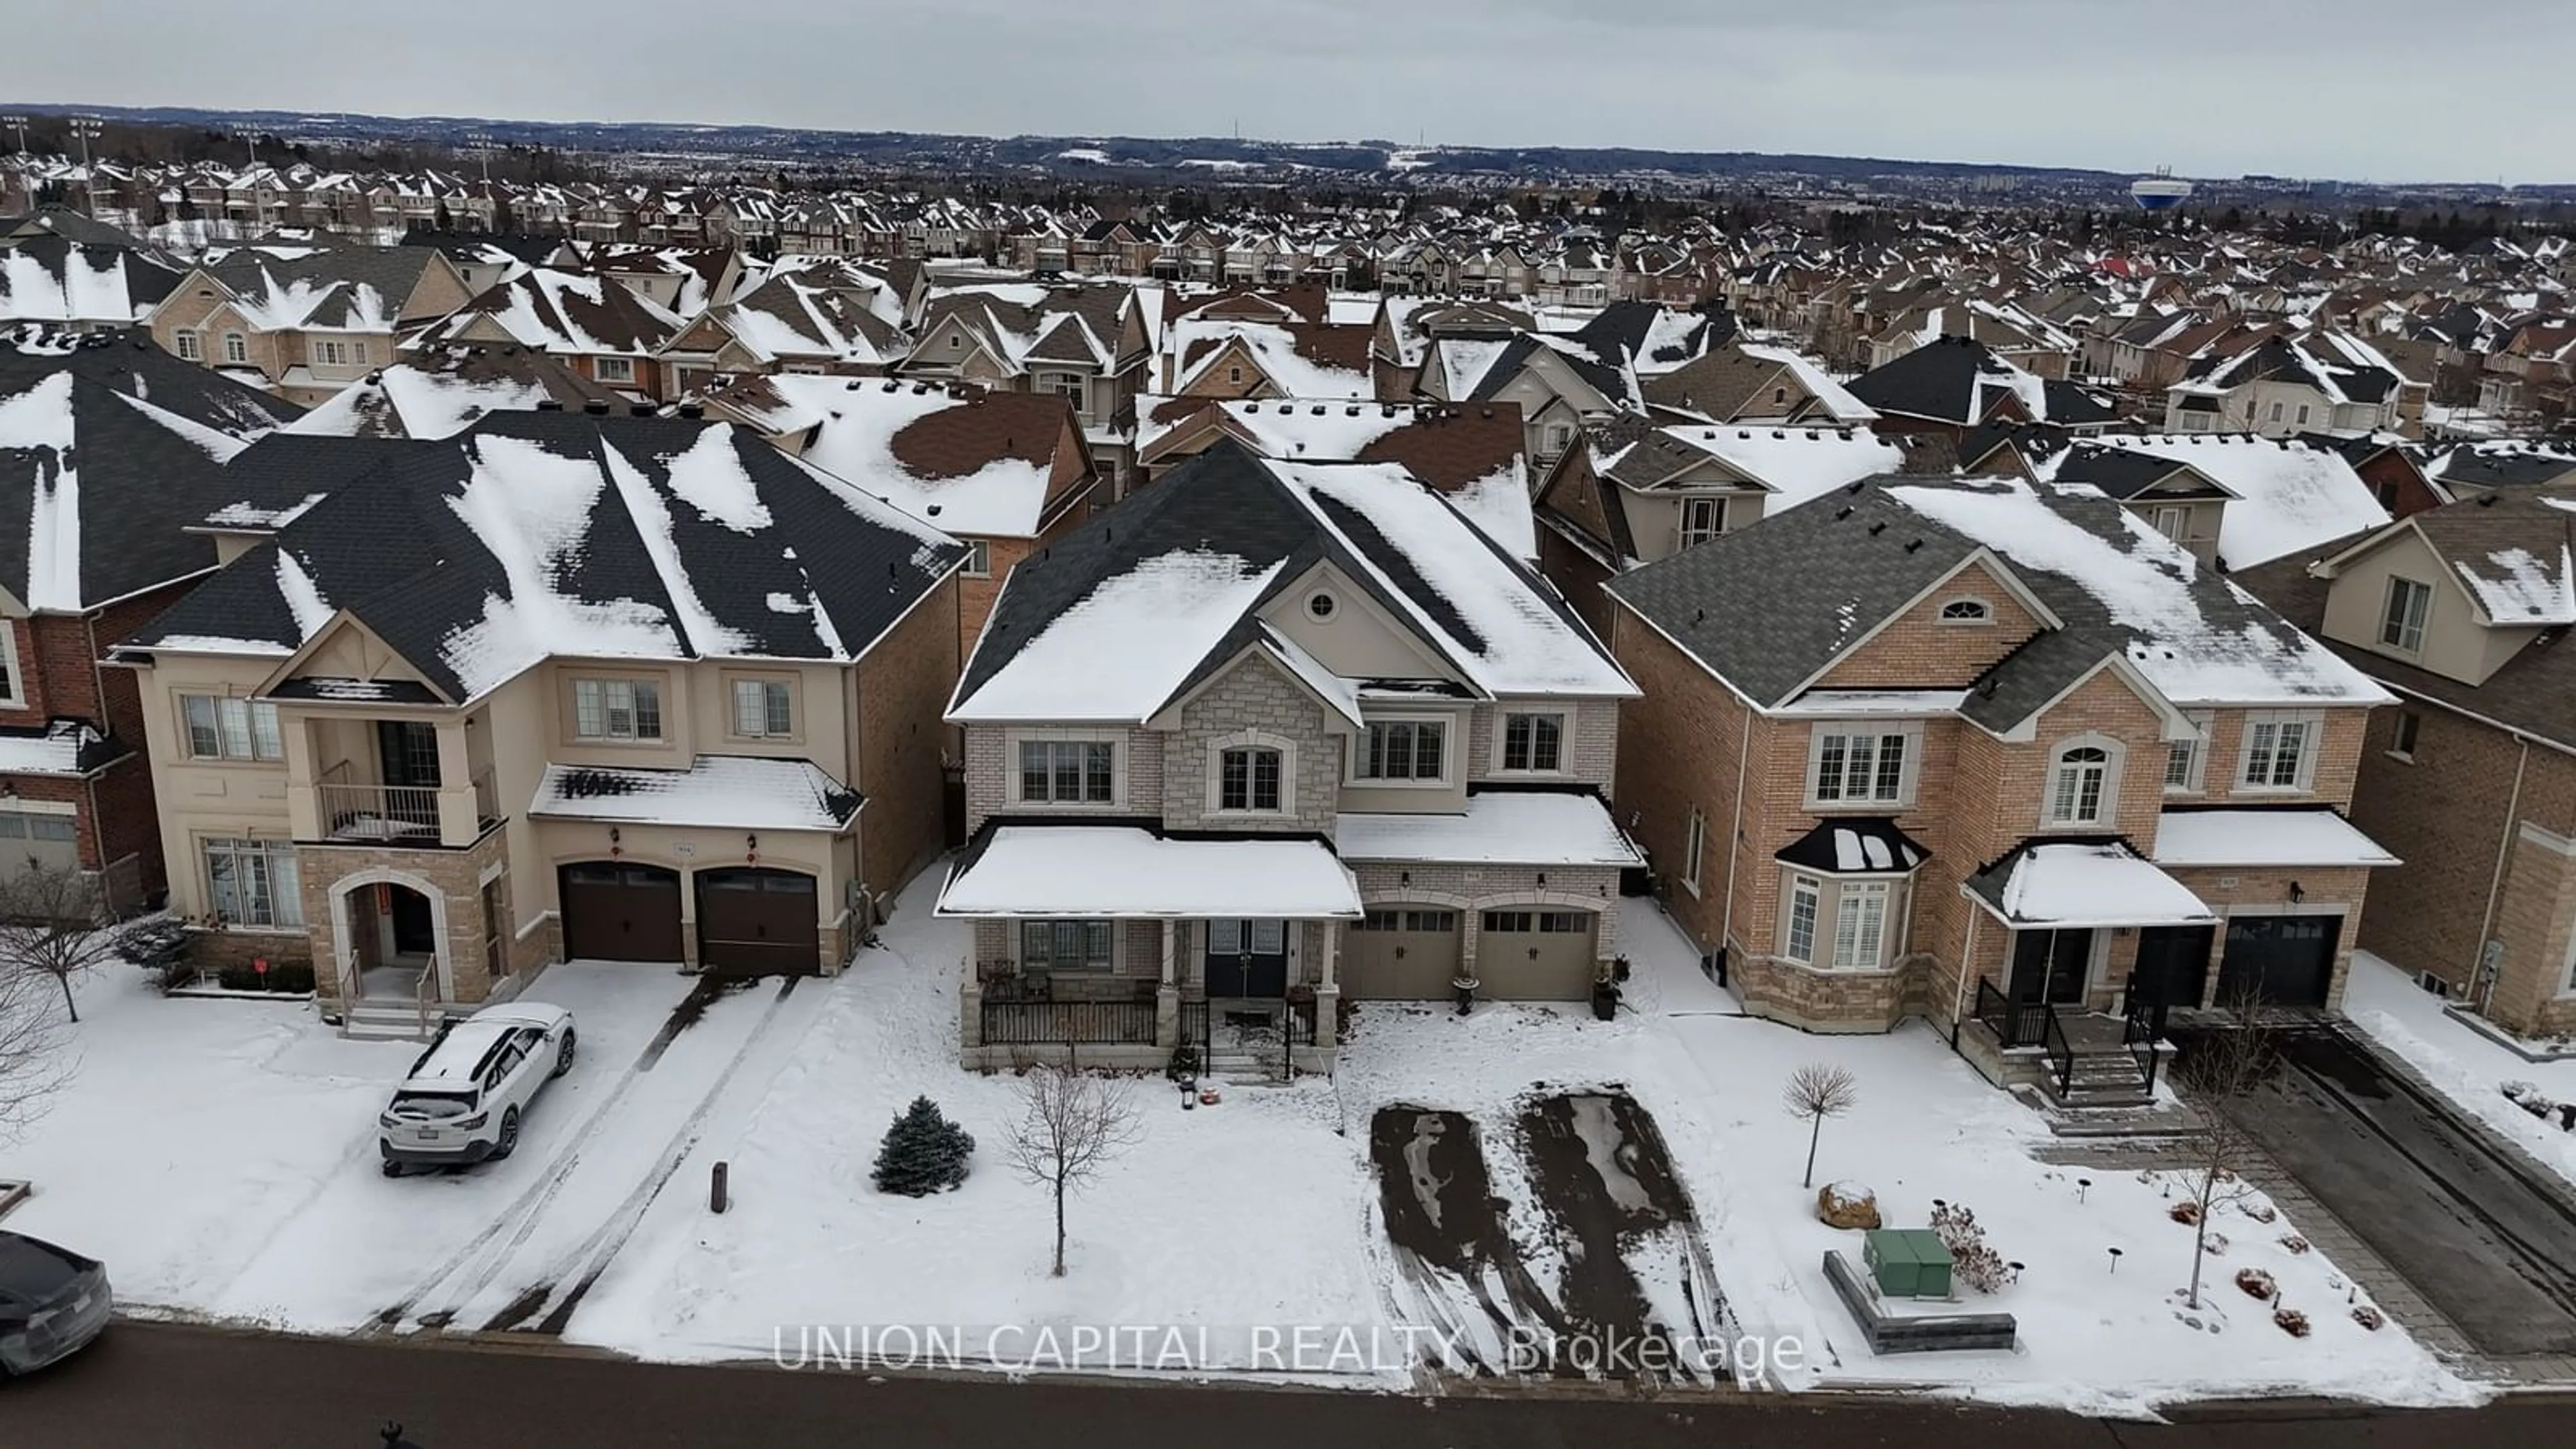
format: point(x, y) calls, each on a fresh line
point(2014, 1023)
point(1196, 1032)
point(1079, 1023)
point(2142, 1025)
point(2061, 1052)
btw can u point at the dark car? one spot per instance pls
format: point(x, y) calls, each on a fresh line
point(52, 1302)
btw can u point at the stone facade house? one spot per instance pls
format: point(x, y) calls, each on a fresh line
point(109, 452)
point(621, 688)
point(1267, 737)
point(2461, 610)
point(1992, 753)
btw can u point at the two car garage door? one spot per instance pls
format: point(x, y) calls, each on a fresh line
point(1412, 953)
point(748, 919)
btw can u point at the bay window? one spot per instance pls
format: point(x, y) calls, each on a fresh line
point(1806, 898)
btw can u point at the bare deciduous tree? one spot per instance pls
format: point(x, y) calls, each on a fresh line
point(1071, 1124)
point(1817, 1091)
point(49, 923)
point(32, 1060)
point(2220, 1074)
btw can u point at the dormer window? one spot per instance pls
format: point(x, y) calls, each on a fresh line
point(1967, 611)
point(2401, 623)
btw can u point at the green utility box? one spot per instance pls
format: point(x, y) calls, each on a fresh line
point(1907, 1262)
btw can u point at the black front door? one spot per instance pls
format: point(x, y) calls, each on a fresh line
point(2051, 966)
point(409, 750)
point(2173, 965)
point(1247, 959)
point(413, 933)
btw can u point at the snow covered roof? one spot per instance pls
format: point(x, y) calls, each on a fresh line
point(1796, 464)
point(1117, 870)
point(107, 454)
point(578, 313)
point(2289, 497)
point(730, 792)
point(1498, 828)
point(1118, 617)
point(2079, 885)
point(2257, 839)
point(975, 463)
point(537, 535)
point(1289, 356)
point(56, 279)
point(1837, 400)
point(437, 392)
point(64, 747)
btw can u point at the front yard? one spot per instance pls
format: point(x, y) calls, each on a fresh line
point(220, 1156)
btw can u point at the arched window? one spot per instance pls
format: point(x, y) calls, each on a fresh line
point(2081, 781)
point(1967, 611)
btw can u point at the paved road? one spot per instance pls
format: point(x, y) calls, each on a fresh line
point(148, 1386)
point(2492, 1250)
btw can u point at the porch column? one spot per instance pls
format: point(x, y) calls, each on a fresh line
point(1328, 997)
point(1167, 992)
point(1331, 980)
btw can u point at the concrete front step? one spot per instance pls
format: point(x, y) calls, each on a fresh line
point(387, 1021)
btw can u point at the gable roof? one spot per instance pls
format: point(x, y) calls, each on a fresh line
point(2288, 497)
point(1957, 380)
point(436, 392)
point(98, 485)
point(51, 278)
point(1114, 620)
point(1770, 607)
point(559, 311)
point(534, 535)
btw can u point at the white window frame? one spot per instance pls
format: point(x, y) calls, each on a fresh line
point(191, 347)
point(1694, 850)
point(1217, 749)
point(2195, 754)
point(246, 730)
point(615, 369)
point(1965, 612)
point(738, 698)
point(1876, 733)
point(1693, 532)
point(2408, 626)
point(2107, 800)
point(283, 882)
point(13, 684)
point(642, 696)
point(2261, 730)
point(2173, 521)
point(1853, 900)
point(1811, 890)
point(330, 352)
point(1563, 721)
point(979, 559)
point(1073, 387)
point(1017, 763)
point(1449, 763)
point(236, 349)
point(2405, 732)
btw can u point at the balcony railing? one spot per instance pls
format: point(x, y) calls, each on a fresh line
point(1084, 1023)
point(391, 813)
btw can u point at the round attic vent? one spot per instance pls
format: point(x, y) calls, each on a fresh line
point(1320, 606)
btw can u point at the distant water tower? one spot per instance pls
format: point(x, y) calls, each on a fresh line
point(2160, 192)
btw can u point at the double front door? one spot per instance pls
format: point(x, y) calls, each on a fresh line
point(2051, 966)
point(1247, 959)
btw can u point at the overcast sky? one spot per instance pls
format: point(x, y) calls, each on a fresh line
point(2357, 89)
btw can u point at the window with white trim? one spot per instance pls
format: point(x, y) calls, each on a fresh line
point(2079, 785)
point(1402, 750)
point(228, 727)
point(2280, 751)
point(330, 352)
point(236, 348)
point(617, 709)
point(190, 348)
point(2405, 727)
point(1702, 520)
point(1851, 765)
point(616, 369)
point(2173, 523)
point(2401, 619)
point(1067, 385)
point(1694, 850)
point(1068, 772)
point(1248, 778)
point(979, 559)
point(1860, 924)
point(2183, 758)
point(1806, 898)
point(763, 707)
point(1066, 946)
point(1967, 611)
point(253, 882)
point(13, 686)
point(1534, 743)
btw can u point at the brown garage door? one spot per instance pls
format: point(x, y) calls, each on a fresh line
point(613, 911)
point(1401, 953)
point(1535, 955)
point(762, 921)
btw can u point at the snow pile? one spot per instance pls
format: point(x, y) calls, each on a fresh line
point(1123, 651)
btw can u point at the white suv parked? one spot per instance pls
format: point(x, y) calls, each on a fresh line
point(464, 1098)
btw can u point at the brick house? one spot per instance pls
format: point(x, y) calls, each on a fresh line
point(99, 486)
point(2461, 611)
point(1090, 344)
point(619, 688)
point(1987, 752)
point(1266, 737)
point(304, 322)
point(603, 331)
point(1004, 473)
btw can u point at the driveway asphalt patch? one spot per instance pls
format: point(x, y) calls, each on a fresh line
point(1446, 1225)
point(1605, 1182)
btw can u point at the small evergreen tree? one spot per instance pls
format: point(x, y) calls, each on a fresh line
point(923, 1152)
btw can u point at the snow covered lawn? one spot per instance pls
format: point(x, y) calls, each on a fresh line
point(2462, 1063)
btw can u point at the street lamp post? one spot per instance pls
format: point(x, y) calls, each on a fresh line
point(19, 125)
point(86, 129)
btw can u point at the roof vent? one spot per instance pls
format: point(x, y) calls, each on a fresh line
point(2486, 500)
point(1911, 547)
point(1842, 513)
point(1876, 528)
point(894, 384)
point(693, 409)
point(1354, 411)
point(1317, 410)
point(851, 386)
point(597, 407)
point(639, 410)
point(550, 405)
point(930, 509)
